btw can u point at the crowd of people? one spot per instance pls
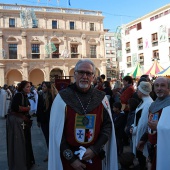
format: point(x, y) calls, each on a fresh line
point(88, 124)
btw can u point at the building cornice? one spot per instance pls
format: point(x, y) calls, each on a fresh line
point(56, 10)
point(159, 10)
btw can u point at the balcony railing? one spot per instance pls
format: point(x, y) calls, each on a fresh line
point(140, 46)
point(50, 9)
point(11, 57)
point(75, 55)
point(127, 48)
point(91, 56)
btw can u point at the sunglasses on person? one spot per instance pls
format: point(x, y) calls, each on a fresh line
point(82, 73)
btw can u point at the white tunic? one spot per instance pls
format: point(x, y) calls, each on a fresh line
point(8, 100)
point(57, 119)
point(3, 97)
point(141, 128)
point(33, 101)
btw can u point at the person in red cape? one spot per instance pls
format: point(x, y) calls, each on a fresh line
point(81, 122)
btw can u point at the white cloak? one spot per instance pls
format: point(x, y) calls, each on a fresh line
point(33, 103)
point(3, 97)
point(8, 100)
point(57, 119)
point(141, 128)
point(163, 137)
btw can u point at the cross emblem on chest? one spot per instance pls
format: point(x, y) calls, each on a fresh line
point(80, 134)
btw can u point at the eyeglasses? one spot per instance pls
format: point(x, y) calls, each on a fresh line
point(81, 73)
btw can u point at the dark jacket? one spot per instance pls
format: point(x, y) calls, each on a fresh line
point(130, 121)
point(43, 114)
point(119, 123)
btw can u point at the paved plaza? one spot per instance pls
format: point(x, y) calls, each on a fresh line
point(38, 143)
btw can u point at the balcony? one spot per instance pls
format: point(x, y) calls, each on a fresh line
point(75, 55)
point(129, 63)
point(141, 61)
point(154, 43)
point(127, 48)
point(10, 57)
point(140, 46)
point(38, 56)
point(91, 56)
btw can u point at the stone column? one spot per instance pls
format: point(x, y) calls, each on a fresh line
point(83, 37)
point(102, 46)
point(65, 42)
point(24, 45)
point(45, 23)
point(2, 74)
point(45, 55)
point(103, 68)
point(25, 71)
point(47, 72)
point(2, 21)
point(66, 69)
point(64, 23)
point(1, 46)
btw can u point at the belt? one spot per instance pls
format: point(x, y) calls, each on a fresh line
point(20, 115)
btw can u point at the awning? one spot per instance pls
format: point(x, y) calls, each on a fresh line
point(165, 72)
point(136, 73)
point(155, 68)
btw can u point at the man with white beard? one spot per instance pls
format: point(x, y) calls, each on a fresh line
point(81, 121)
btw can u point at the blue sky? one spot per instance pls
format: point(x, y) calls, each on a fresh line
point(116, 12)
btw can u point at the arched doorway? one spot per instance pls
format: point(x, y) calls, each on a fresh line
point(56, 73)
point(36, 76)
point(13, 77)
point(71, 74)
point(97, 72)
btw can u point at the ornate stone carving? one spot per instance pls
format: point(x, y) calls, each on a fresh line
point(83, 36)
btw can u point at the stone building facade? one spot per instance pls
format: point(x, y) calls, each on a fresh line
point(39, 43)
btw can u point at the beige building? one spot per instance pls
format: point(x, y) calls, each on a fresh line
point(39, 43)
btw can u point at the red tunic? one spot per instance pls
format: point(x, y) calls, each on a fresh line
point(152, 136)
point(78, 134)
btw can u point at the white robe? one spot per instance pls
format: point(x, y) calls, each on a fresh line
point(163, 137)
point(57, 119)
point(8, 100)
point(3, 97)
point(141, 128)
point(33, 103)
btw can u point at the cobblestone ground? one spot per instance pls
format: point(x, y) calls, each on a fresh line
point(38, 143)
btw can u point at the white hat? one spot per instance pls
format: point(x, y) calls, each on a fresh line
point(145, 87)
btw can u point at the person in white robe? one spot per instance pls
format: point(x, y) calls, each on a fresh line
point(33, 99)
point(3, 99)
point(140, 122)
point(84, 74)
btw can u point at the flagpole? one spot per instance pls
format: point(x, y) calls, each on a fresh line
point(38, 2)
point(47, 2)
point(58, 2)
